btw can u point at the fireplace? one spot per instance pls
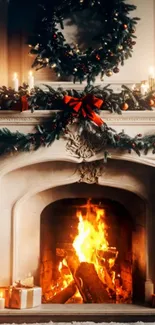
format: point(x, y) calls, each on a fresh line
point(56, 226)
point(42, 193)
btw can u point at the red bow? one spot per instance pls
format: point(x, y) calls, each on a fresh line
point(86, 105)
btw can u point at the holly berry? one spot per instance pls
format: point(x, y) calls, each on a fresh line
point(139, 135)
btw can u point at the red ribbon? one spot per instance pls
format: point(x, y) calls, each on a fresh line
point(24, 102)
point(85, 105)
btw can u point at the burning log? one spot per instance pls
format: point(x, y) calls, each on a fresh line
point(73, 263)
point(90, 286)
point(62, 296)
point(108, 280)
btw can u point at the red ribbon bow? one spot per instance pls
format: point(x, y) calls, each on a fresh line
point(86, 105)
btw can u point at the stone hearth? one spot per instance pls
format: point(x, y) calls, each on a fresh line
point(32, 181)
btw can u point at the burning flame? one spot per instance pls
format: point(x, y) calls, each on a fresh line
point(91, 246)
point(91, 236)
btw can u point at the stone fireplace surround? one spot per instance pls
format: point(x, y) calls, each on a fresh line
point(31, 181)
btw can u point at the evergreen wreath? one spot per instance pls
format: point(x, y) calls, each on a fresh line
point(116, 39)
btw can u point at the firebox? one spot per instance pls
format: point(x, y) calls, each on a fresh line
point(87, 253)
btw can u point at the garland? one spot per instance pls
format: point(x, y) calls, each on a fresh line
point(115, 38)
point(84, 111)
point(50, 99)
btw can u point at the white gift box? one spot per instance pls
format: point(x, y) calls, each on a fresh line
point(22, 298)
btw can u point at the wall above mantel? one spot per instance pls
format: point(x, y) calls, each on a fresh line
point(14, 50)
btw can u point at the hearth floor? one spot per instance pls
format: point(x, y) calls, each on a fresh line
point(73, 312)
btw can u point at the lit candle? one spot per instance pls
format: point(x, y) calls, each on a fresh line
point(2, 301)
point(30, 80)
point(151, 77)
point(15, 82)
point(144, 88)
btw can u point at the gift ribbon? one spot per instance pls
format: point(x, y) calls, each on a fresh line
point(30, 298)
point(85, 105)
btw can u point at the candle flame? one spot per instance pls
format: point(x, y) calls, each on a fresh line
point(15, 76)
point(30, 73)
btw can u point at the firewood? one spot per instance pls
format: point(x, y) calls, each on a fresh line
point(64, 295)
point(73, 263)
point(108, 280)
point(106, 255)
point(90, 286)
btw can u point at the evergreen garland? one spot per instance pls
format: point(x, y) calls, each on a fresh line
point(51, 99)
point(116, 38)
point(102, 138)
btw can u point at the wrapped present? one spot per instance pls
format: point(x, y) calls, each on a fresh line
point(21, 298)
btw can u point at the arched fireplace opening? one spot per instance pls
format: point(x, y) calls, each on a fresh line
point(115, 272)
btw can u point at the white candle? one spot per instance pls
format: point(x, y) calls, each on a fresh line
point(151, 72)
point(15, 82)
point(2, 301)
point(30, 80)
point(144, 88)
point(151, 77)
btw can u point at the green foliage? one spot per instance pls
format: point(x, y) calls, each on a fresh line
point(51, 99)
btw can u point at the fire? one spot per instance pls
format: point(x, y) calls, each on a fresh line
point(91, 246)
point(92, 236)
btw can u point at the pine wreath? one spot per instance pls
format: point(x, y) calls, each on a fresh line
point(116, 39)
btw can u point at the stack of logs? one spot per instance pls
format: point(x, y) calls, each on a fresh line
point(91, 287)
